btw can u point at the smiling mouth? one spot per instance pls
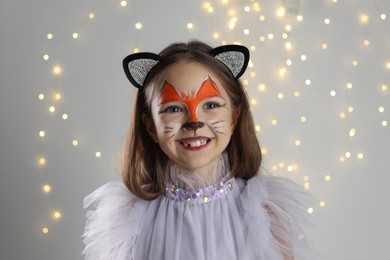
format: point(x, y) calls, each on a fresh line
point(195, 143)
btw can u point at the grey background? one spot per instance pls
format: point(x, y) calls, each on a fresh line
point(97, 97)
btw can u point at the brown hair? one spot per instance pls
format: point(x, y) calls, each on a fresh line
point(144, 163)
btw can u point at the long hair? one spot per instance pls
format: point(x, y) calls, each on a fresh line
point(144, 162)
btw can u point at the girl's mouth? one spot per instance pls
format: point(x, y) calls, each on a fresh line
point(195, 143)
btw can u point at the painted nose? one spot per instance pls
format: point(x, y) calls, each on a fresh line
point(193, 125)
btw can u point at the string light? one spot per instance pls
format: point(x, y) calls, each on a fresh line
point(123, 3)
point(98, 154)
point(138, 26)
point(363, 18)
point(65, 116)
point(46, 188)
point(57, 70)
point(41, 96)
point(41, 133)
point(45, 57)
point(91, 16)
point(328, 178)
point(45, 230)
point(49, 36)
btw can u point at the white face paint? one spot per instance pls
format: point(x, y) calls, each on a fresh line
point(192, 130)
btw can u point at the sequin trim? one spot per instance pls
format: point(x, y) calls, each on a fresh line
point(202, 195)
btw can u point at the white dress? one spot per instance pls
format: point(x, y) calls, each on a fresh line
point(233, 219)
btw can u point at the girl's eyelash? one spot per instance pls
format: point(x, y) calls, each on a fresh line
point(171, 109)
point(212, 103)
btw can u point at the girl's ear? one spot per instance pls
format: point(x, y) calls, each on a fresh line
point(150, 127)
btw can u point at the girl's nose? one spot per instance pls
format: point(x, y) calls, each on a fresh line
point(193, 125)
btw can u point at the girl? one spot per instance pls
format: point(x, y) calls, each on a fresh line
point(191, 184)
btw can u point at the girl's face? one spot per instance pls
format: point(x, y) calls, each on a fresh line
point(192, 116)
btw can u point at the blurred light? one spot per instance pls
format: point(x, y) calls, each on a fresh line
point(257, 128)
point(308, 82)
point(46, 57)
point(297, 94)
point(285, 36)
point(264, 150)
point(210, 9)
point(41, 96)
point(322, 204)
point(190, 25)
point(383, 16)
point(138, 26)
point(91, 15)
point(215, 35)
point(57, 96)
point(384, 87)
point(363, 18)
point(246, 31)
point(274, 121)
point(253, 48)
point(366, 42)
point(75, 142)
point(381, 109)
point(355, 63)
point(41, 133)
point(256, 6)
point(349, 85)
point(334, 1)
point(57, 70)
point(303, 119)
point(282, 72)
point(347, 155)
point(253, 101)
point(352, 132)
point(232, 22)
point(384, 123)
point(52, 109)
point(305, 178)
point(57, 214)
point(49, 36)
point(64, 116)
point(262, 18)
point(287, 28)
point(342, 159)
point(98, 154)
point(288, 62)
point(262, 38)
point(247, 9)
point(75, 35)
point(280, 95)
point(46, 188)
point(388, 65)
point(42, 161)
point(262, 87)
point(306, 185)
point(297, 142)
point(281, 11)
point(360, 156)
point(326, 21)
point(342, 115)
point(281, 164)
point(135, 50)
point(324, 46)
point(270, 36)
point(350, 109)
point(327, 178)
point(300, 18)
point(123, 3)
point(303, 57)
point(290, 168)
point(288, 45)
point(45, 230)
point(333, 93)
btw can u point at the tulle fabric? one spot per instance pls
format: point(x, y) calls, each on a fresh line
point(250, 222)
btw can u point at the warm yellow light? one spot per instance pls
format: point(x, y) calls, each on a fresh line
point(123, 3)
point(135, 50)
point(281, 11)
point(262, 38)
point(41, 133)
point(288, 28)
point(327, 178)
point(138, 26)
point(75, 35)
point(384, 87)
point(322, 204)
point(247, 9)
point(256, 6)
point(215, 35)
point(42, 161)
point(352, 132)
point(52, 109)
point(91, 15)
point(232, 12)
point(300, 18)
point(290, 168)
point(303, 119)
point(41, 96)
point(324, 46)
point(306, 178)
point(384, 123)
point(349, 85)
point(308, 82)
point(334, 1)
point(98, 154)
point(360, 156)
point(280, 96)
point(297, 142)
point(246, 32)
point(363, 18)
point(262, 87)
point(264, 150)
point(333, 93)
point(288, 62)
point(210, 9)
point(381, 109)
point(342, 159)
point(190, 25)
point(253, 101)
point(64, 116)
point(282, 72)
point(350, 109)
point(355, 63)
point(262, 18)
point(270, 36)
point(303, 57)
point(57, 70)
point(285, 36)
point(206, 5)
point(281, 164)
point(245, 82)
point(388, 65)
point(252, 47)
point(326, 21)
point(257, 128)
point(296, 94)
point(288, 45)
point(46, 188)
point(75, 142)
point(347, 155)
point(310, 210)
point(383, 16)
point(45, 57)
point(57, 214)
point(250, 64)
point(252, 74)
point(342, 115)
point(57, 96)
point(49, 36)
point(306, 185)
point(366, 42)
point(274, 121)
point(45, 230)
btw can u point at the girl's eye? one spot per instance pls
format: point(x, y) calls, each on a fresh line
point(172, 109)
point(211, 105)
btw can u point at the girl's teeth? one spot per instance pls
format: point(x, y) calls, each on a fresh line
point(196, 143)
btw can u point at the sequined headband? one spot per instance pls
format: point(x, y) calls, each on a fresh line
point(137, 66)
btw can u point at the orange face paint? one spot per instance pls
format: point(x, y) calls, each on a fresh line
point(208, 89)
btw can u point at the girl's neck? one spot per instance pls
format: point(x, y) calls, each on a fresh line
point(199, 178)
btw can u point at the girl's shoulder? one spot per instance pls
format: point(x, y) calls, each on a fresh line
point(283, 205)
point(114, 217)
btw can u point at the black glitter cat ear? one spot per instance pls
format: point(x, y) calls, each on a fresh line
point(137, 66)
point(235, 57)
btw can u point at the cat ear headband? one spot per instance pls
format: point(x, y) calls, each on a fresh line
point(137, 66)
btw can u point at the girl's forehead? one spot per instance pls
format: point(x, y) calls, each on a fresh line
point(189, 76)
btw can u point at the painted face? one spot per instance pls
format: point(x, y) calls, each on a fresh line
point(192, 116)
